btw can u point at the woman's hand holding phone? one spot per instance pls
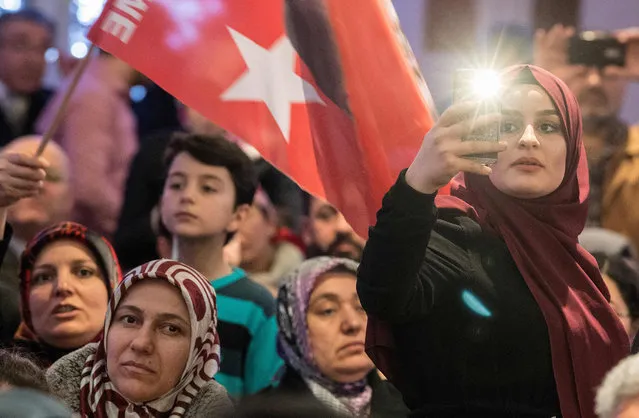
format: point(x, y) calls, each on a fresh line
point(443, 151)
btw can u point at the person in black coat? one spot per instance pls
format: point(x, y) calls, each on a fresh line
point(386, 401)
point(482, 303)
point(25, 36)
point(322, 327)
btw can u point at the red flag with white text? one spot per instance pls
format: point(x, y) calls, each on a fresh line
point(327, 90)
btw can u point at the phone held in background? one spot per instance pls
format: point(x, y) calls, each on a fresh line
point(597, 49)
point(483, 87)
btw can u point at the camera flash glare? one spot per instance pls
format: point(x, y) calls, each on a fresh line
point(486, 84)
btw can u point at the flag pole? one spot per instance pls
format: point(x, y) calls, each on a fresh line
point(48, 134)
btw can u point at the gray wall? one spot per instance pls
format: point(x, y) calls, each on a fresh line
point(438, 67)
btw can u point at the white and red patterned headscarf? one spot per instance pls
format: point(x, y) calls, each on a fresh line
point(100, 398)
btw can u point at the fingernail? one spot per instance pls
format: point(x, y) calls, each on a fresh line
point(40, 184)
point(486, 169)
point(503, 144)
point(44, 162)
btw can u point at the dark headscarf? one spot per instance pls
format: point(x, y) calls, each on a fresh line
point(586, 337)
point(96, 244)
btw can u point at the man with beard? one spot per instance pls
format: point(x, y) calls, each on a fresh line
point(611, 145)
point(326, 232)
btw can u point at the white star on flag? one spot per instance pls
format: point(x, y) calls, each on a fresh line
point(270, 78)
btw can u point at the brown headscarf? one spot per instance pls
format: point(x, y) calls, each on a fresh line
point(586, 337)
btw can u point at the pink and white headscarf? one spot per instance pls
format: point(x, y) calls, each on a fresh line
point(100, 398)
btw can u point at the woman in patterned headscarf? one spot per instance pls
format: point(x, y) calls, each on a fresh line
point(321, 339)
point(158, 355)
point(67, 275)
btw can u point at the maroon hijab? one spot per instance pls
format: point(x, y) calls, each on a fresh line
point(586, 338)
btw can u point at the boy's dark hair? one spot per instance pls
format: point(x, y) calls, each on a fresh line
point(217, 151)
point(29, 15)
point(306, 203)
point(17, 370)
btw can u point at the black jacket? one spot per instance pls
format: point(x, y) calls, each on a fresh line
point(9, 295)
point(386, 401)
point(41, 353)
point(470, 340)
point(10, 315)
point(37, 102)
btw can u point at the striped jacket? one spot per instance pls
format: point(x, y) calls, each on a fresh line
point(248, 329)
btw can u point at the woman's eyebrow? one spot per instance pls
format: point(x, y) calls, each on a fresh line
point(544, 112)
point(547, 112)
point(163, 316)
point(77, 261)
point(130, 308)
point(511, 112)
point(167, 316)
point(332, 297)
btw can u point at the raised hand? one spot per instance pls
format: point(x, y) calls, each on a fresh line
point(21, 176)
point(442, 152)
point(630, 37)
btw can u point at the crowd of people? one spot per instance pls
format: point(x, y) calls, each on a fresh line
point(154, 265)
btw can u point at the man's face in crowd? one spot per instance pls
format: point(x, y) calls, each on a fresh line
point(328, 233)
point(600, 92)
point(22, 47)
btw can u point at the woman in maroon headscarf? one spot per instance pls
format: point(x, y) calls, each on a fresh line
point(482, 303)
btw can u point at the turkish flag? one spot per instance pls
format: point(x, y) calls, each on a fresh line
point(326, 90)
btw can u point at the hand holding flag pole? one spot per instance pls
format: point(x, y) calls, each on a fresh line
point(79, 70)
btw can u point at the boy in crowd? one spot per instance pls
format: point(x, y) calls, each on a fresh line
point(209, 187)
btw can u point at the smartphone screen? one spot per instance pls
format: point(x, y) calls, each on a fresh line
point(479, 86)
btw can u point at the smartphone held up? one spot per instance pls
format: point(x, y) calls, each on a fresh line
point(484, 88)
point(597, 49)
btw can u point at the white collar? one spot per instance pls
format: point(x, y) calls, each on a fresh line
point(17, 246)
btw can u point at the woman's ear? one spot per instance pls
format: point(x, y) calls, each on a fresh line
point(240, 214)
point(273, 228)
